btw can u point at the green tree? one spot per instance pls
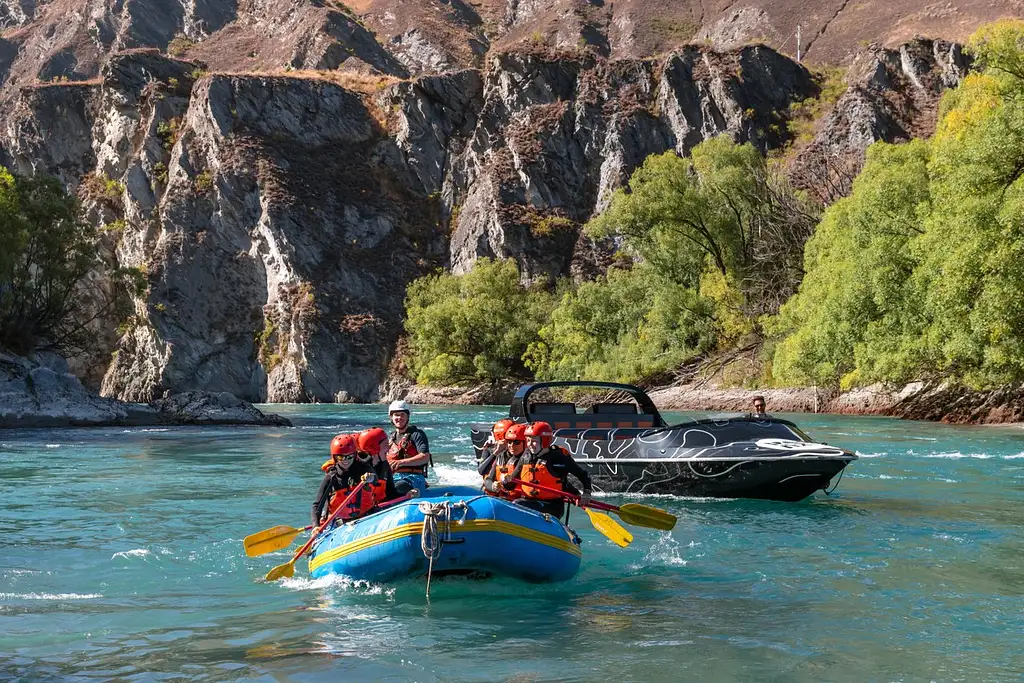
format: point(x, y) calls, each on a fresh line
point(918, 274)
point(473, 327)
point(624, 327)
point(46, 251)
point(723, 208)
point(858, 263)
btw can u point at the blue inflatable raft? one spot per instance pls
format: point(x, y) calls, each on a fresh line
point(465, 531)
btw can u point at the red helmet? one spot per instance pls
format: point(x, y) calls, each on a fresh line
point(499, 428)
point(343, 444)
point(369, 440)
point(516, 432)
point(543, 431)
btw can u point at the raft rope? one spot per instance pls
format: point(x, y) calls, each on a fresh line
point(431, 541)
point(828, 492)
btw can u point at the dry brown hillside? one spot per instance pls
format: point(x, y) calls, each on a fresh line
point(61, 39)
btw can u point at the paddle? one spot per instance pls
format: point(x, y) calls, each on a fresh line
point(640, 515)
point(630, 513)
point(615, 532)
point(269, 540)
point(287, 569)
point(278, 537)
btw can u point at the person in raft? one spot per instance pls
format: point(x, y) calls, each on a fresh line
point(549, 465)
point(341, 475)
point(495, 445)
point(506, 461)
point(371, 449)
point(408, 451)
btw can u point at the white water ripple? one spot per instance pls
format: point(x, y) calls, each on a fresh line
point(49, 596)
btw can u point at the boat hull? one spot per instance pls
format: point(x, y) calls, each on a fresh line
point(734, 458)
point(494, 537)
point(789, 481)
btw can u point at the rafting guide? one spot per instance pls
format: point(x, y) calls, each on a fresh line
point(408, 450)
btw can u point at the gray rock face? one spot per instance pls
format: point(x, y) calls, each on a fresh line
point(892, 95)
point(276, 221)
point(555, 134)
point(280, 218)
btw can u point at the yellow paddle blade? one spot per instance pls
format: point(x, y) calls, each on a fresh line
point(610, 528)
point(646, 516)
point(281, 571)
point(269, 540)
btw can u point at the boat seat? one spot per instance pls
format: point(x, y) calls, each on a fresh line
point(613, 408)
point(604, 422)
point(552, 409)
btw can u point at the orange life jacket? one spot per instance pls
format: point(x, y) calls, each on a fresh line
point(537, 473)
point(363, 502)
point(501, 471)
point(402, 447)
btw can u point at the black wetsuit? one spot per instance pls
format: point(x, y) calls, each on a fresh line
point(337, 479)
point(560, 464)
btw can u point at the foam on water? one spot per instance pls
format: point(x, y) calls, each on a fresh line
point(49, 596)
point(450, 475)
point(335, 581)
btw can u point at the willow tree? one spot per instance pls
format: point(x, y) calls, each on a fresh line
point(473, 327)
point(46, 251)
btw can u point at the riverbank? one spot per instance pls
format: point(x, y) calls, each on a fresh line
point(42, 393)
point(916, 401)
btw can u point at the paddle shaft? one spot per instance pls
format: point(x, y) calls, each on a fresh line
point(571, 497)
point(327, 522)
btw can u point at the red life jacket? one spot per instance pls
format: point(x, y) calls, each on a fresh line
point(363, 502)
point(401, 447)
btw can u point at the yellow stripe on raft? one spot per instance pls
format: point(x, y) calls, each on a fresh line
point(416, 528)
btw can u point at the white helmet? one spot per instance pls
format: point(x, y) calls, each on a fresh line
point(398, 407)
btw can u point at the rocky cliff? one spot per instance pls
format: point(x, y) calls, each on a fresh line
point(279, 217)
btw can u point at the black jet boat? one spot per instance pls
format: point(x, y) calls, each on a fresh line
point(629, 448)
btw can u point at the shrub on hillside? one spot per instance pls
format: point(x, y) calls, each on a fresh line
point(47, 251)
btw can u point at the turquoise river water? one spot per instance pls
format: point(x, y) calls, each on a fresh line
point(121, 559)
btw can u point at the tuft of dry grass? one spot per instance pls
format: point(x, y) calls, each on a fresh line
point(364, 84)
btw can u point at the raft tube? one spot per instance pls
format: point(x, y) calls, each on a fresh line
point(494, 537)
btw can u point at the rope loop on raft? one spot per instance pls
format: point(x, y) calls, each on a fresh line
point(431, 540)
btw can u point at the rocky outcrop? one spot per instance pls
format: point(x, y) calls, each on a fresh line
point(937, 402)
point(891, 95)
point(499, 393)
point(42, 393)
point(279, 218)
point(556, 133)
